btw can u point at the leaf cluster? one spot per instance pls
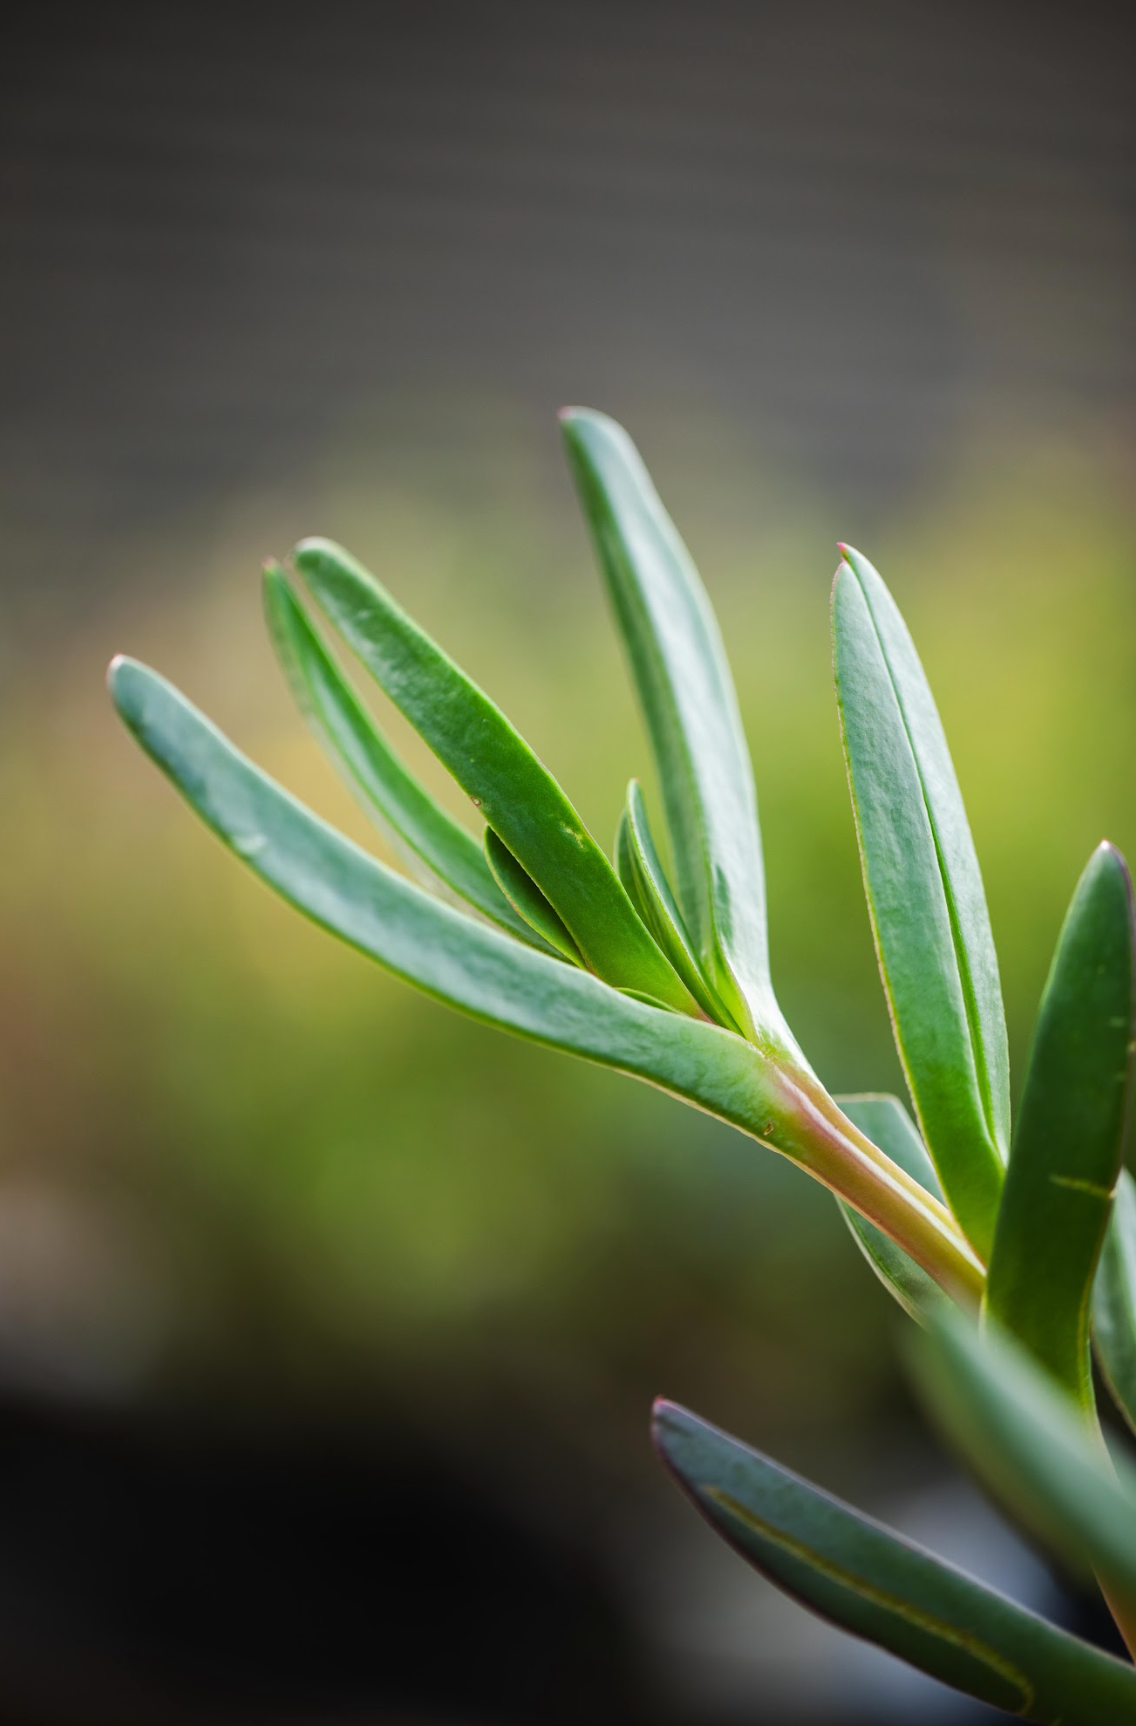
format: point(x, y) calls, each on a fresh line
point(1013, 1247)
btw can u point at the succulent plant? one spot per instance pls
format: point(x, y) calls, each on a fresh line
point(1012, 1251)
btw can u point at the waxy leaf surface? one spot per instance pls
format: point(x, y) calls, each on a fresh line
point(486, 973)
point(1030, 1444)
point(1114, 1301)
point(641, 872)
point(688, 700)
point(888, 1124)
point(1069, 1134)
point(516, 794)
point(874, 1583)
point(436, 848)
point(925, 897)
point(527, 899)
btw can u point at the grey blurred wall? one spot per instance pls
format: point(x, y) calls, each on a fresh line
point(225, 231)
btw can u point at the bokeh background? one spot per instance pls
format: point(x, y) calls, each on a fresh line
point(328, 1321)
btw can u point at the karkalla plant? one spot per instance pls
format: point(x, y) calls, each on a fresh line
point(991, 1241)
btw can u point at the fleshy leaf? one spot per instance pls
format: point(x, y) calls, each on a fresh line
point(486, 973)
point(887, 1123)
point(1069, 1135)
point(642, 874)
point(516, 794)
point(1028, 1441)
point(925, 897)
point(436, 848)
point(872, 1582)
point(527, 899)
point(1114, 1301)
point(688, 700)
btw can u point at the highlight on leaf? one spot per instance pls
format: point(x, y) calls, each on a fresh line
point(685, 689)
point(514, 792)
point(1069, 1136)
point(882, 1587)
point(925, 897)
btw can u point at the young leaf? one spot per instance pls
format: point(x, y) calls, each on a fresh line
point(527, 899)
point(516, 794)
point(437, 850)
point(887, 1123)
point(487, 974)
point(874, 1583)
point(1114, 1301)
point(1029, 1443)
point(925, 897)
point(691, 710)
point(1069, 1135)
point(638, 866)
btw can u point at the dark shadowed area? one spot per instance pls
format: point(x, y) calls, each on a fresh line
point(329, 1322)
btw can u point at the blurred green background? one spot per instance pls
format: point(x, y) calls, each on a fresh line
point(868, 281)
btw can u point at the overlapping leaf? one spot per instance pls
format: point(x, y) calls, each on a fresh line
point(1069, 1135)
point(1025, 1437)
point(1114, 1301)
point(887, 1123)
point(436, 848)
point(488, 974)
point(925, 897)
point(516, 794)
point(880, 1586)
point(527, 899)
point(639, 868)
point(691, 711)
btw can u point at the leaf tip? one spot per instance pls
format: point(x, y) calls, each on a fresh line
point(309, 553)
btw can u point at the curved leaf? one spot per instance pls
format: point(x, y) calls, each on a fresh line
point(691, 710)
point(925, 897)
point(527, 899)
point(1030, 1444)
point(874, 1583)
point(516, 794)
point(887, 1123)
point(639, 869)
point(437, 849)
point(487, 974)
point(1114, 1301)
point(1069, 1136)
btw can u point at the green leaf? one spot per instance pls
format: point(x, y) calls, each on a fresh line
point(527, 899)
point(516, 794)
point(641, 872)
point(687, 695)
point(489, 975)
point(1030, 1444)
point(925, 897)
point(1069, 1136)
point(438, 851)
point(874, 1583)
point(1114, 1301)
point(887, 1123)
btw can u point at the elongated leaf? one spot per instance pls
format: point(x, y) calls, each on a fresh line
point(1069, 1137)
point(888, 1124)
point(527, 899)
point(925, 897)
point(642, 874)
point(1114, 1301)
point(691, 710)
point(489, 975)
point(874, 1583)
point(516, 794)
point(1028, 1441)
point(437, 849)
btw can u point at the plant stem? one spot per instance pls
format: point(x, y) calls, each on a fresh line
point(815, 1133)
